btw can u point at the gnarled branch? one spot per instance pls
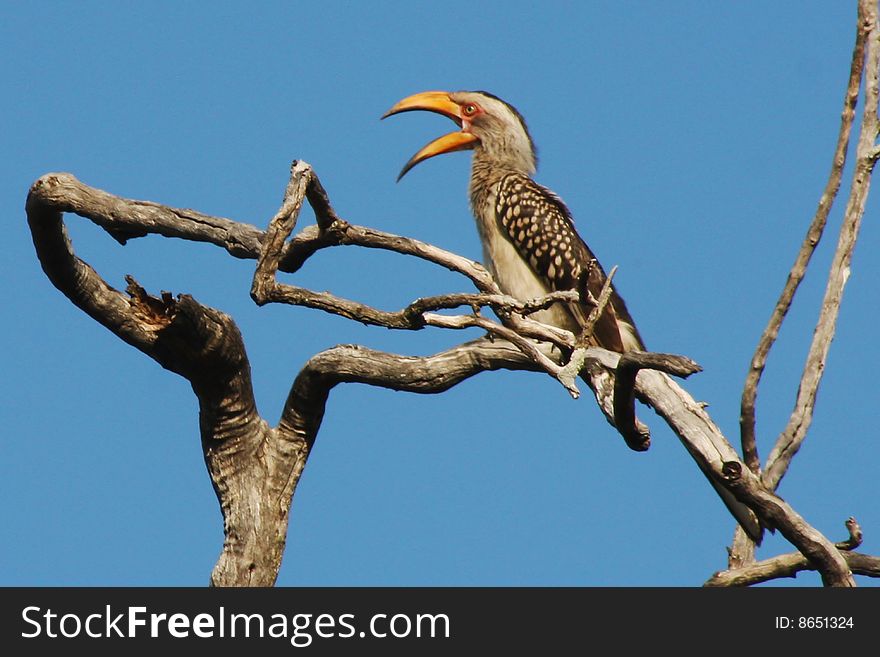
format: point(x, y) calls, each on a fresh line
point(279, 454)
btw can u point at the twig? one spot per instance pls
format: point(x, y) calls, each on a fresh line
point(341, 233)
point(576, 362)
point(281, 225)
point(854, 539)
point(599, 305)
point(527, 347)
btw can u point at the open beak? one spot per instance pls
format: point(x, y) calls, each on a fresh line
point(441, 103)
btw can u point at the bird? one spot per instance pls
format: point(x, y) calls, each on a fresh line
point(529, 240)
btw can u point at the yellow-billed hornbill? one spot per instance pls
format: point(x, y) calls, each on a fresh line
point(529, 240)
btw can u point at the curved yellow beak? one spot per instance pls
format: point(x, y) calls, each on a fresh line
point(441, 103)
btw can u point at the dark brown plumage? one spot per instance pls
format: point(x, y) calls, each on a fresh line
point(541, 228)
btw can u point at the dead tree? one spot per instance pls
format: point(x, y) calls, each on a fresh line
point(255, 467)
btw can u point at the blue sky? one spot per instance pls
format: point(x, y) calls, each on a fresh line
point(691, 141)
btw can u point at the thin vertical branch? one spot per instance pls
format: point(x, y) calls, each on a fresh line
point(811, 241)
point(794, 433)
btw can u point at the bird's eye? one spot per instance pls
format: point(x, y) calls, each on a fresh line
point(469, 110)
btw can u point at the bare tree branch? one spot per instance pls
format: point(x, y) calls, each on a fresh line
point(624, 389)
point(854, 539)
point(742, 550)
point(720, 462)
point(516, 330)
point(204, 346)
point(304, 407)
point(811, 241)
point(267, 289)
point(126, 219)
point(789, 565)
point(284, 450)
point(249, 462)
point(794, 433)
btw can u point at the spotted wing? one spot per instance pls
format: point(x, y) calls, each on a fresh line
point(541, 228)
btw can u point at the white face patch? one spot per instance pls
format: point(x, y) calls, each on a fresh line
point(502, 132)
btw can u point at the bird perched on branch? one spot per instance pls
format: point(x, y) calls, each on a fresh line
point(529, 240)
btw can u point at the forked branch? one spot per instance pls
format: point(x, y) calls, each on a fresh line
point(865, 63)
point(789, 565)
point(274, 458)
point(804, 255)
point(795, 431)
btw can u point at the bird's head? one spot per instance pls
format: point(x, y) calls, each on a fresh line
point(489, 125)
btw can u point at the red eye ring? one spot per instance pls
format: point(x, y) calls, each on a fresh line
point(470, 109)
